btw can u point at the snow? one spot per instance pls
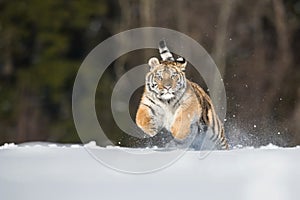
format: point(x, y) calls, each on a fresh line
point(8, 146)
point(55, 171)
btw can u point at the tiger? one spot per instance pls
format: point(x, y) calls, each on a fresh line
point(170, 101)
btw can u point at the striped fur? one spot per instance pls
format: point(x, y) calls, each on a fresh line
point(172, 102)
point(164, 51)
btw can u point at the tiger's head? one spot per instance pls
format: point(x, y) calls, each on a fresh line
point(166, 79)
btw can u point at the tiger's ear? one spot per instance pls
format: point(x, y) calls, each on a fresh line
point(153, 62)
point(182, 63)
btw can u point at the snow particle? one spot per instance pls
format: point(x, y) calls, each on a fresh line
point(254, 126)
point(280, 99)
point(278, 133)
point(233, 116)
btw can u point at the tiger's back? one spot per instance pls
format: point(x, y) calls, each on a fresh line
point(209, 118)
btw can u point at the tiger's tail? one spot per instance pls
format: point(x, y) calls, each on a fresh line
point(164, 51)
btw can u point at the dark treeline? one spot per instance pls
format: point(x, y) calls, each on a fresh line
point(255, 44)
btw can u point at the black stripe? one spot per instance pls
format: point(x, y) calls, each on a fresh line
point(205, 109)
point(213, 137)
point(223, 140)
point(164, 51)
point(219, 124)
point(149, 82)
point(152, 101)
point(202, 102)
point(175, 104)
point(215, 125)
point(224, 146)
point(148, 78)
point(205, 113)
point(152, 110)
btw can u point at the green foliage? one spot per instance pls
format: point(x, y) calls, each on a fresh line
point(37, 38)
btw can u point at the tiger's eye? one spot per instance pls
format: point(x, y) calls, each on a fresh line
point(159, 77)
point(173, 76)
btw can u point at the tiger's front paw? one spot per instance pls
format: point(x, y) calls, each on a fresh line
point(144, 120)
point(149, 130)
point(147, 126)
point(179, 133)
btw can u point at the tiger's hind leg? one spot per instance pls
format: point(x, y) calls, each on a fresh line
point(216, 141)
point(203, 140)
point(207, 139)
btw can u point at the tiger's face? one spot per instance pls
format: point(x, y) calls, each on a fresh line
point(166, 79)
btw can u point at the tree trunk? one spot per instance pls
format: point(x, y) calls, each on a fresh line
point(8, 58)
point(220, 50)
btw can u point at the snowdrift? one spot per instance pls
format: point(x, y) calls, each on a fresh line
point(53, 171)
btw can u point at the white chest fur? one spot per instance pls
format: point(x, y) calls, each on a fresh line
point(168, 117)
point(166, 113)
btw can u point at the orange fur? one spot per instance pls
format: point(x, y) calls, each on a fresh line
point(143, 119)
point(164, 104)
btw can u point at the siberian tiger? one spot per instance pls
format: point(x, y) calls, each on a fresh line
point(172, 102)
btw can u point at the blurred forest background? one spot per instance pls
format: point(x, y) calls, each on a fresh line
point(255, 44)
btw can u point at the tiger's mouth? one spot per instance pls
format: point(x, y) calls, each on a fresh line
point(167, 95)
